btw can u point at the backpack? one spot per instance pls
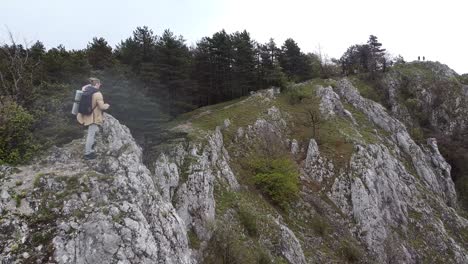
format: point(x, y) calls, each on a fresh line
point(86, 102)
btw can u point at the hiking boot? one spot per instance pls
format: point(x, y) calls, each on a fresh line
point(90, 156)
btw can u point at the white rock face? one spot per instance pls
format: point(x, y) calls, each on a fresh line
point(150, 229)
point(192, 193)
point(330, 104)
point(119, 216)
point(420, 158)
point(316, 167)
point(290, 246)
point(443, 100)
point(381, 189)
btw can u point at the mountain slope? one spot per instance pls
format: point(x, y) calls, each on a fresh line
point(366, 191)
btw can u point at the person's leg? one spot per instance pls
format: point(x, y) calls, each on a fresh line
point(90, 138)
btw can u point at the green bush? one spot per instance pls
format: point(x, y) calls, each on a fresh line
point(464, 78)
point(278, 179)
point(226, 246)
point(297, 94)
point(249, 221)
point(16, 137)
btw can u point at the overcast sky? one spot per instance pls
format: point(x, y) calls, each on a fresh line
point(435, 29)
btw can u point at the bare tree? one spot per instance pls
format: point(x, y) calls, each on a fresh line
point(312, 115)
point(16, 70)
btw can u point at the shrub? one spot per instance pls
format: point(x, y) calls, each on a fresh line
point(350, 252)
point(298, 93)
point(320, 225)
point(417, 134)
point(278, 179)
point(249, 221)
point(227, 246)
point(16, 138)
point(464, 78)
point(194, 242)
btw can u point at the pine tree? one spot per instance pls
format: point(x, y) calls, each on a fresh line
point(243, 64)
point(203, 71)
point(294, 62)
point(99, 54)
point(173, 61)
point(221, 54)
point(269, 70)
point(138, 49)
point(376, 55)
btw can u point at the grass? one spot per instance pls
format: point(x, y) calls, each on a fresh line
point(42, 238)
point(194, 242)
point(18, 198)
point(413, 69)
point(367, 89)
point(185, 168)
point(333, 136)
point(37, 179)
point(417, 216)
point(248, 221)
point(240, 112)
point(320, 225)
point(350, 252)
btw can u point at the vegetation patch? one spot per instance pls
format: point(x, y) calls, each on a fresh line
point(278, 179)
point(240, 112)
point(248, 221)
point(334, 136)
point(228, 246)
point(320, 225)
point(368, 89)
point(18, 198)
point(194, 242)
point(16, 137)
point(185, 168)
point(350, 252)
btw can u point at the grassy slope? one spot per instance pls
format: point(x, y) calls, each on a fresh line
point(335, 139)
point(253, 213)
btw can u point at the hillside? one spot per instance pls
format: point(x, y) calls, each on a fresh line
point(315, 174)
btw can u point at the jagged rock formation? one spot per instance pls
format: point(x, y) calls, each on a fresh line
point(102, 211)
point(379, 197)
point(432, 90)
point(385, 192)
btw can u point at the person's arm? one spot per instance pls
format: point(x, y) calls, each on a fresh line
point(100, 102)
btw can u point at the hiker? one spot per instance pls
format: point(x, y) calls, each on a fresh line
point(95, 118)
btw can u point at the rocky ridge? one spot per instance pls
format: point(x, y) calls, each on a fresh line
point(392, 202)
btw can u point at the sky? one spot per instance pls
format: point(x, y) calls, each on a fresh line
point(435, 29)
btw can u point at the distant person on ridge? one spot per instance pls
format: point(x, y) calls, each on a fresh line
point(94, 119)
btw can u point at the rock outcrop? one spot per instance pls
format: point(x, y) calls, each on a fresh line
point(382, 198)
point(432, 91)
point(108, 210)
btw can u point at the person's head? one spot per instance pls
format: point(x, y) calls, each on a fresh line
point(95, 82)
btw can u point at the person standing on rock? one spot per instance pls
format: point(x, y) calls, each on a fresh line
point(94, 119)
